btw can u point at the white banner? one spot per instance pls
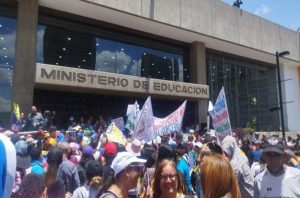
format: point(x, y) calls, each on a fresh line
point(170, 123)
point(220, 117)
point(144, 130)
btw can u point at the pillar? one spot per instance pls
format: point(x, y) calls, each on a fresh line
point(25, 54)
point(198, 76)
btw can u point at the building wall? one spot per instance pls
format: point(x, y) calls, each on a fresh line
point(216, 19)
point(291, 88)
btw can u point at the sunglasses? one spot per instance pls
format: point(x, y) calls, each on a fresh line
point(170, 176)
point(136, 167)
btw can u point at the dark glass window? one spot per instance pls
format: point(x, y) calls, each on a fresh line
point(63, 47)
point(7, 55)
point(250, 90)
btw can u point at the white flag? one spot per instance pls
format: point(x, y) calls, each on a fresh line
point(133, 112)
point(144, 130)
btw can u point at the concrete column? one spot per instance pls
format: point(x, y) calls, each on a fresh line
point(25, 54)
point(198, 76)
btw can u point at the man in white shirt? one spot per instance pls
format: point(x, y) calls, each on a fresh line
point(277, 180)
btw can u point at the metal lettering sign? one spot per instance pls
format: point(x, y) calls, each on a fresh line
point(81, 79)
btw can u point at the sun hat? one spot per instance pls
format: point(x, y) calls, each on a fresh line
point(123, 160)
point(273, 144)
point(134, 147)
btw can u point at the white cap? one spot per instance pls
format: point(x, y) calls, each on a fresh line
point(122, 160)
point(191, 131)
point(198, 144)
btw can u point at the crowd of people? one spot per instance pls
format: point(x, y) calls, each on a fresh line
point(81, 161)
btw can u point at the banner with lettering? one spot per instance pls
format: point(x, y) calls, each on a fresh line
point(144, 130)
point(220, 117)
point(170, 123)
point(114, 134)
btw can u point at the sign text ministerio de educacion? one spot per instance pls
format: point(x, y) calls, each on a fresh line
point(58, 75)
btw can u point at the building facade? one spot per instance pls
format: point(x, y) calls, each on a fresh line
point(74, 56)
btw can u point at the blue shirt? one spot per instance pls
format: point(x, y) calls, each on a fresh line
point(256, 155)
point(37, 167)
point(60, 137)
point(184, 169)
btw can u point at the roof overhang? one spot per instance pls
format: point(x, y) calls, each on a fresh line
point(140, 23)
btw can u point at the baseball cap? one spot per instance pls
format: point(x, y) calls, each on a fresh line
point(110, 149)
point(23, 159)
point(21, 147)
point(88, 150)
point(273, 144)
point(123, 160)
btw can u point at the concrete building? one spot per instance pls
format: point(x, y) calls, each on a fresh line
point(100, 55)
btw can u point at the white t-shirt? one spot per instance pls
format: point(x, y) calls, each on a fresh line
point(285, 185)
point(85, 192)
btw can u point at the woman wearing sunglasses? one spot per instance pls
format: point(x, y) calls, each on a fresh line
point(127, 168)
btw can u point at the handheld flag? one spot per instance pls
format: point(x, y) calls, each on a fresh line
point(144, 130)
point(220, 117)
point(114, 134)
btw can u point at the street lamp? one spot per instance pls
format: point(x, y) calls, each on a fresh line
point(280, 54)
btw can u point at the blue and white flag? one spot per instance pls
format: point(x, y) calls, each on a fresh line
point(220, 117)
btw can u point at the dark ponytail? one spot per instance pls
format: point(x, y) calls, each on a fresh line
point(108, 181)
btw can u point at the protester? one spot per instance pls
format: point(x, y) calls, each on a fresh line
point(35, 119)
point(110, 152)
point(57, 189)
point(218, 178)
point(183, 167)
point(240, 165)
point(36, 165)
point(148, 153)
point(258, 167)
point(257, 153)
point(127, 168)
point(247, 150)
point(67, 171)
point(290, 158)
point(33, 186)
point(7, 166)
point(278, 180)
point(23, 165)
point(54, 159)
point(165, 152)
point(87, 155)
point(93, 182)
point(167, 181)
